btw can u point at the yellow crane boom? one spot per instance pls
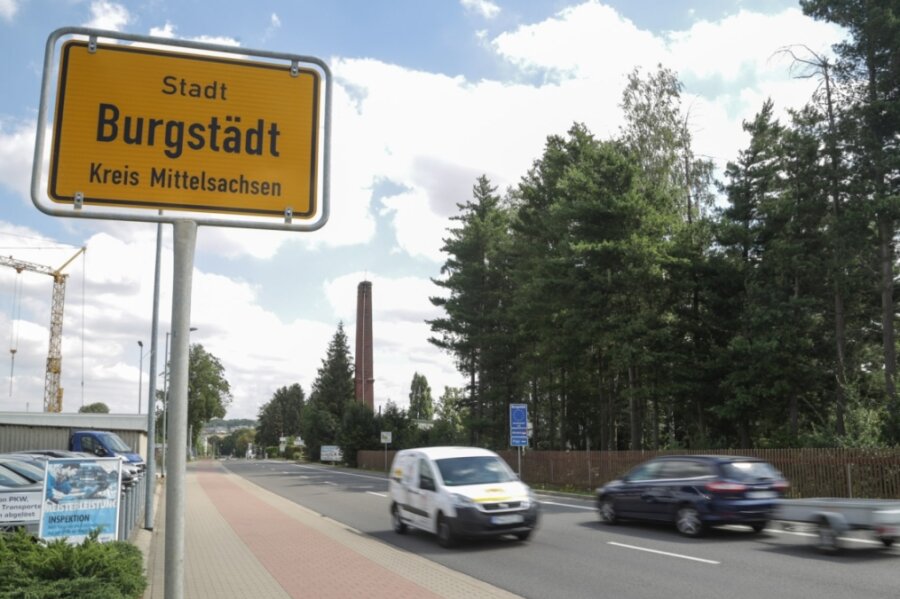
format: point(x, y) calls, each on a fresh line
point(52, 391)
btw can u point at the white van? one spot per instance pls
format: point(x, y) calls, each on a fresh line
point(459, 492)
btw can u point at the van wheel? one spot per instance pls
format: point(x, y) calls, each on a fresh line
point(758, 526)
point(523, 536)
point(397, 521)
point(445, 535)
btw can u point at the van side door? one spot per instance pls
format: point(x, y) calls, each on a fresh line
point(406, 488)
point(425, 498)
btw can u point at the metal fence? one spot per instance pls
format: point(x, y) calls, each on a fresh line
point(131, 508)
point(873, 473)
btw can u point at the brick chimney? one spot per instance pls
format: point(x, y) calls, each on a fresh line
point(365, 380)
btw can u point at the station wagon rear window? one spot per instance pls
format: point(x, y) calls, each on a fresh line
point(749, 471)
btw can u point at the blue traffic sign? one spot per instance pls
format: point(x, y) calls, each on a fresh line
point(518, 425)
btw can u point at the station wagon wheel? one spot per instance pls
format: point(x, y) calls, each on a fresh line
point(523, 536)
point(397, 522)
point(445, 535)
point(758, 526)
point(887, 541)
point(608, 511)
point(688, 522)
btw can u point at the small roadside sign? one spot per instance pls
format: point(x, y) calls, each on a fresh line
point(331, 453)
point(518, 425)
point(386, 437)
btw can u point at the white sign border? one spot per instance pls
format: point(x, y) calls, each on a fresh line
point(145, 215)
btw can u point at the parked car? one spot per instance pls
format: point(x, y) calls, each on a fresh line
point(23, 465)
point(459, 492)
point(10, 480)
point(695, 492)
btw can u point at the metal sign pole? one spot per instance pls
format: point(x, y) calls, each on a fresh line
point(151, 403)
point(185, 238)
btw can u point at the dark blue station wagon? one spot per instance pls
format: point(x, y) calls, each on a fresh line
point(695, 492)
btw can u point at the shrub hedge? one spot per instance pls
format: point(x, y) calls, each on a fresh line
point(34, 569)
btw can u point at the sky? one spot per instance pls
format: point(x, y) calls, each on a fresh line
point(428, 96)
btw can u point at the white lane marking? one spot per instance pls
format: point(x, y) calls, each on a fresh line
point(678, 555)
point(376, 494)
point(328, 471)
point(577, 507)
point(328, 482)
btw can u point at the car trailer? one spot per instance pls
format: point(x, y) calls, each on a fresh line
point(833, 517)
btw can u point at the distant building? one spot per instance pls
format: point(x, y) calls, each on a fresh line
point(365, 379)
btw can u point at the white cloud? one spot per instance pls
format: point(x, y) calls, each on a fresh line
point(167, 31)
point(593, 44)
point(485, 8)
point(108, 15)
point(274, 25)
point(17, 156)
point(590, 40)
point(8, 9)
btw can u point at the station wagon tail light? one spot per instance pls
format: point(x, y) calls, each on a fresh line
point(724, 487)
point(781, 485)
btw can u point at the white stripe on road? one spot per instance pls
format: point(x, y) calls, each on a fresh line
point(678, 555)
point(329, 471)
point(376, 494)
point(577, 507)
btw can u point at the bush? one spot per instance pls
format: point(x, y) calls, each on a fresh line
point(35, 569)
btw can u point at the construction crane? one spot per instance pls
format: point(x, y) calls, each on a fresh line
point(52, 391)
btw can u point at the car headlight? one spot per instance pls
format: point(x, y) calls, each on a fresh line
point(529, 500)
point(462, 500)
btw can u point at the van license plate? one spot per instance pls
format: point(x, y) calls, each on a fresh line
point(507, 519)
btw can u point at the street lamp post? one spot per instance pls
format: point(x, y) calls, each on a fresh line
point(165, 418)
point(140, 372)
point(165, 404)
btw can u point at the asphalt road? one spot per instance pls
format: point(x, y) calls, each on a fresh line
point(573, 555)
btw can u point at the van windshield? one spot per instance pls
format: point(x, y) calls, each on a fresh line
point(474, 470)
point(115, 443)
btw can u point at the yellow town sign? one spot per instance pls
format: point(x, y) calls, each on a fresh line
point(143, 128)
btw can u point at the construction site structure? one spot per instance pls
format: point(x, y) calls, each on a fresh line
point(53, 393)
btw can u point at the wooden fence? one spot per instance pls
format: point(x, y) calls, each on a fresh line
point(871, 473)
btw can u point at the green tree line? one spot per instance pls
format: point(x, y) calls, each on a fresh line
point(633, 301)
point(332, 416)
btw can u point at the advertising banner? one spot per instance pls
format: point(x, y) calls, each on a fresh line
point(81, 495)
point(20, 507)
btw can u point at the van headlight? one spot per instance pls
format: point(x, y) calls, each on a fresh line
point(529, 500)
point(462, 500)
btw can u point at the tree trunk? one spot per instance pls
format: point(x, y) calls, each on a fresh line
point(886, 255)
point(633, 409)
